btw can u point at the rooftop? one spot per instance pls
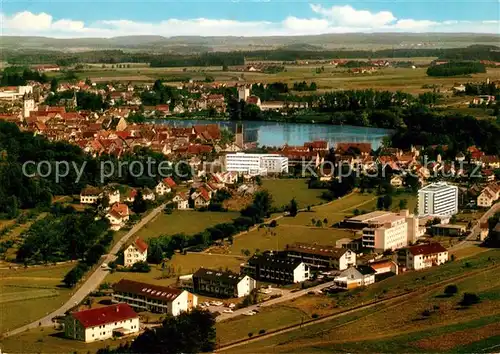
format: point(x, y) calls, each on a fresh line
point(103, 315)
point(434, 187)
point(328, 251)
point(147, 290)
point(210, 274)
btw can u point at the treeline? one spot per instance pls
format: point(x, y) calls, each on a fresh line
point(19, 76)
point(85, 100)
point(303, 86)
point(165, 245)
point(27, 57)
point(476, 89)
point(456, 68)
point(424, 127)
point(208, 59)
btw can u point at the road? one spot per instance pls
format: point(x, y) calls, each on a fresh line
point(287, 296)
point(473, 236)
point(91, 282)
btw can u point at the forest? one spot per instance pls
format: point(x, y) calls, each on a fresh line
point(456, 68)
point(28, 57)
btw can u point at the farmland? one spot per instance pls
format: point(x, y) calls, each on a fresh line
point(402, 326)
point(188, 222)
point(32, 292)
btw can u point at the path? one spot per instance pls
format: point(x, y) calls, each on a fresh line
point(92, 281)
point(402, 297)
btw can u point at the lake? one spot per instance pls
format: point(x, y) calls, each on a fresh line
point(279, 133)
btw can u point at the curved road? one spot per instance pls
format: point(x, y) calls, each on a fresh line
point(91, 282)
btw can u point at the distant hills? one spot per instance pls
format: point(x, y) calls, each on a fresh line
point(197, 44)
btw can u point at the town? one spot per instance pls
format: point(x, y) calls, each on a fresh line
point(136, 213)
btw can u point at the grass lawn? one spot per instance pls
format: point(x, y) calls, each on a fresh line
point(283, 190)
point(48, 340)
point(32, 292)
point(182, 264)
point(277, 238)
point(188, 222)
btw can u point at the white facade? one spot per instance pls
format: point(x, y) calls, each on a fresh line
point(301, 273)
point(133, 254)
point(162, 188)
point(245, 286)
point(422, 261)
point(243, 93)
point(439, 199)
point(390, 231)
point(256, 164)
point(114, 196)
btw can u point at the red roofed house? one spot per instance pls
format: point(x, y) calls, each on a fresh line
point(118, 216)
point(201, 198)
point(101, 323)
point(136, 252)
point(425, 256)
point(364, 148)
point(165, 186)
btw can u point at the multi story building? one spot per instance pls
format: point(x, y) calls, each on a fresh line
point(276, 268)
point(101, 323)
point(153, 298)
point(223, 284)
point(423, 256)
point(383, 230)
point(256, 164)
point(319, 256)
point(136, 252)
point(438, 199)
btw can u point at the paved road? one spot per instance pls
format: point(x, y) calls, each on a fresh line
point(286, 297)
point(92, 281)
point(473, 236)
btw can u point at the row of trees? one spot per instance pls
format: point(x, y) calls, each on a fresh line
point(456, 68)
point(165, 245)
point(19, 76)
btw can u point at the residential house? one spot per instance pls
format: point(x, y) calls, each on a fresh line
point(384, 266)
point(182, 201)
point(135, 252)
point(101, 323)
point(118, 216)
point(489, 195)
point(223, 284)
point(131, 194)
point(165, 186)
point(397, 181)
point(318, 256)
point(201, 198)
point(423, 256)
point(147, 194)
point(276, 268)
point(153, 298)
point(90, 195)
point(353, 277)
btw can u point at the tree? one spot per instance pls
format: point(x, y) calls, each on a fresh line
point(387, 200)
point(54, 85)
point(189, 332)
point(293, 208)
point(450, 290)
point(380, 203)
point(140, 267)
point(403, 203)
point(469, 299)
point(139, 205)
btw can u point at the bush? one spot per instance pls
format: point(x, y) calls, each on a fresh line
point(470, 299)
point(262, 331)
point(426, 313)
point(273, 223)
point(451, 290)
point(315, 315)
point(250, 334)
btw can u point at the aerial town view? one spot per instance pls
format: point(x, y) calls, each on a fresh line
point(250, 177)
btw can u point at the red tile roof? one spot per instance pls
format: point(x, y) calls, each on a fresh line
point(120, 209)
point(104, 315)
point(169, 182)
point(141, 245)
point(365, 148)
point(149, 291)
point(426, 249)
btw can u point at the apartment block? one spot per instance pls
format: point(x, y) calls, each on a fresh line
point(222, 284)
point(438, 199)
point(153, 298)
point(320, 256)
point(276, 268)
point(256, 164)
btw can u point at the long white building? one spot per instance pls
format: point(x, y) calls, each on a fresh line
point(256, 164)
point(438, 199)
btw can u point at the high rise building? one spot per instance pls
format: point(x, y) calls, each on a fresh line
point(438, 199)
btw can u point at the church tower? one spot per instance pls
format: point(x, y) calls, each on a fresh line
point(28, 104)
point(243, 93)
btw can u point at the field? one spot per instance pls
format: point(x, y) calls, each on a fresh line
point(396, 326)
point(188, 222)
point(283, 190)
point(394, 79)
point(180, 264)
point(32, 292)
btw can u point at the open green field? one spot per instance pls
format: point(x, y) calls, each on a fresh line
point(181, 265)
point(188, 222)
point(394, 79)
point(283, 190)
point(32, 292)
point(396, 326)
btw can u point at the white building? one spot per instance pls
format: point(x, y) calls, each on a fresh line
point(424, 256)
point(256, 164)
point(118, 216)
point(224, 284)
point(354, 277)
point(243, 93)
point(276, 269)
point(136, 252)
point(439, 199)
point(384, 230)
point(15, 92)
point(90, 195)
point(153, 298)
point(321, 256)
point(101, 323)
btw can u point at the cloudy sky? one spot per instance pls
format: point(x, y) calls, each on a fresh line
point(108, 18)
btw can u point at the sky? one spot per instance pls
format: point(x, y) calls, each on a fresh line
point(109, 18)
